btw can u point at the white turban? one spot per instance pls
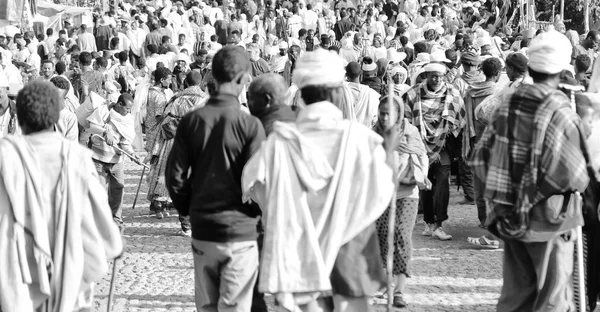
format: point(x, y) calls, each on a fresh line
point(435, 67)
point(319, 68)
point(399, 70)
point(549, 53)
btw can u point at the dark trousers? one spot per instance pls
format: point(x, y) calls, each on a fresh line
point(435, 201)
point(538, 276)
point(258, 298)
point(479, 199)
point(114, 177)
point(466, 179)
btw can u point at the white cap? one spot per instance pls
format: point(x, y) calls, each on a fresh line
point(549, 53)
point(319, 68)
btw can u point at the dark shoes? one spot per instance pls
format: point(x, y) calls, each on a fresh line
point(466, 201)
point(399, 302)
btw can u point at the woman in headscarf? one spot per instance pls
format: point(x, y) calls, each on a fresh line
point(399, 75)
point(412, 167)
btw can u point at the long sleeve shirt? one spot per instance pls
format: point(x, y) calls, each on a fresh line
point(204, 170)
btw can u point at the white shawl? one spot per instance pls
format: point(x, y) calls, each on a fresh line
point(301, 242)
point(34, 271)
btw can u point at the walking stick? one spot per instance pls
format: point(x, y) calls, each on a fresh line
point(138, 188)
point(392, 213)
point(123, 152)
point(112, 284)
point(578, 205)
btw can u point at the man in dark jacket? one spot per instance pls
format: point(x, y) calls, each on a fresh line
point(203, 176)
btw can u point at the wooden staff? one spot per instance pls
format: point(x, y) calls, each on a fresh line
point(135, 160)
point(578, 205)
point(392, 213)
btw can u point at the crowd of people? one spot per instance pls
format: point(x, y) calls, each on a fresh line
point(280, 130)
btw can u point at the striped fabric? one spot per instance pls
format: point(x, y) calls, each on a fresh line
point(504, 154)
point(576, 277)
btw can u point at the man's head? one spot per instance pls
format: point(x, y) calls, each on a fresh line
point(193, 78)
point(319, 76)
point(38, 107)
point(582, 63)
point(353, 71)
point(470, 61)
point(435, 75)
point(302, 33)
point(124, 104)
point(181, 39)
point(266, 91)
point(230, 68)
point(166, 40)
point(491, 68)
point(294, 53)
point(152, 48)
point(162, 77)
point(486, 49)
point(516, 65)
point(60, 67)
point(85, 59)
point(549, 55)
point(62, 84)
point(593, 38)
point(101, 63)
point(47, 69)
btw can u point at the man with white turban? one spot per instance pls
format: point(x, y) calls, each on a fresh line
point(532, 160)
point(307, 174)
point(436, 108)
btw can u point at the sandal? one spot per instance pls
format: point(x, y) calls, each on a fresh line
point(483, 242)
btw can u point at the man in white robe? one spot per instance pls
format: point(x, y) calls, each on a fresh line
point(55, 223)
point(321, 183)
point(363, 109)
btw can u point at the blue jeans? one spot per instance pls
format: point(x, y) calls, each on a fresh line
point(114, 177)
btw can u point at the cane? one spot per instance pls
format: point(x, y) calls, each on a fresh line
point(123, 152)
point(580, 268)
point(112, 283)
point(392, 213)
point(578, 205)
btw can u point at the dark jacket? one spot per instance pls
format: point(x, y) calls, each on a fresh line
point(204, 170)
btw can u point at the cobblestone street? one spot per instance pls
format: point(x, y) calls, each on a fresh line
point(156, 272)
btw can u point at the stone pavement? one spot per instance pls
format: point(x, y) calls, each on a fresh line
point(156, 271)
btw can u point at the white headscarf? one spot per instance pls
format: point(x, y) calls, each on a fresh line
point(319, 68)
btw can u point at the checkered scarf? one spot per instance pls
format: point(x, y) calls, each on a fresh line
point(529, 153)
point(435, 114)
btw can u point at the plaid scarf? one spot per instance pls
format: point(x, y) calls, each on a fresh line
point(529, 153)
point(435, 114)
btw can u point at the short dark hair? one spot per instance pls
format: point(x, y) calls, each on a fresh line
point(336, 49)
point(101, 61)
point(123, 56)
point(62, 32)
point(60, 67)
point(47, 61)
point(302, 32)
point(491, 67)
point(160, 73)
point(165, 39)
point(85, 58)
point(420, 47)
point(194, 78)
point(49, 32)
point(229, 62)
point(592, 35)
point(537, 76)
point(38, 106)
point(114, 42)
point(60, 82)
point(314, 94)
point(60, 41)
point(582, 63)
point(125, 97)
point(152, 48)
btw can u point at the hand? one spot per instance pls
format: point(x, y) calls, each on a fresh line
point(110, 137)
